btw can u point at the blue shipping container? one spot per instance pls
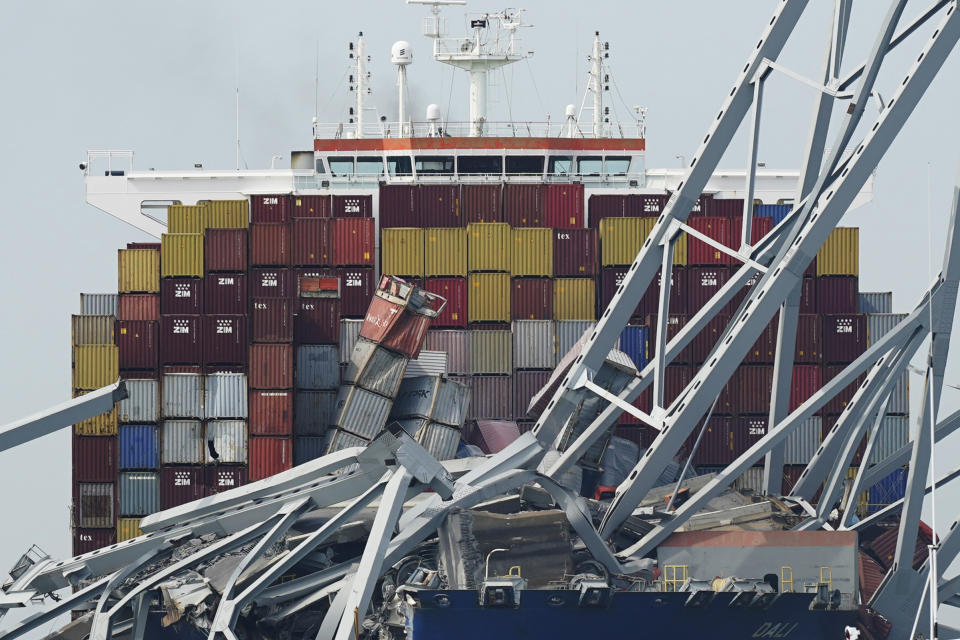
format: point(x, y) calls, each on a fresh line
point(633, 342)
point(306, 449)
point(776, 211)
point(313, 412)
point(139, 446)
point(139, 493)
point(887, 491)
point(318, 367)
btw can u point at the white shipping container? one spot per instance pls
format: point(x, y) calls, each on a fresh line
point(432, 398)
point(340, 440)
point(534, 342)
point(428, 363)
point(228, 438)
point(893, 434)
point(142, 404)
point(225, 395)
point(182, 395)
point(800, 445)
point(440, 440)
point(880, 324)
point(876, 301)
point(375, 369)
point(569, 332)
point(349, 334)
point(899, 402)
point(99, 304)
point(361, 412)
point(183, 442)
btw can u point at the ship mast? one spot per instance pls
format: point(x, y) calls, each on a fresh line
point(597, 85)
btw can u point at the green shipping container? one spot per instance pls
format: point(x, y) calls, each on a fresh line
point(488, 246)
point(840, 254)
point(95, 366)
point(445, 252)
point(401, 252)
point(181, 255)
point(488, 297)
point(574, 299)
point(532, 252)
point(138, 271)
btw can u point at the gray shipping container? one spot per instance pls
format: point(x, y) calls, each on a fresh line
point(183, 442)
point(182, 395)
point(361, 412)
point(142, 404)
point(340, 440)
point(313, 412)
point(455, 344)
point(349, 334)
point(428, 363)
point(800, 445)
point(375, 369)
point(139, 493)
point(880, 324)
point(99, 304)
point(490, 397)
point(894, 433)
point(440, 441)
point(95, 508)
point(899, 403)
point(491, 352)
point(534, 342)
point(229, 440)
point(89, 329)
point(225, 395)
point(876, 301)
point(432, 398)
point(568, 332)
point(318, 367)
point(618, 461)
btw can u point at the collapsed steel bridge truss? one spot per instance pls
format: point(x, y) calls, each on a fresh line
point(395, 471)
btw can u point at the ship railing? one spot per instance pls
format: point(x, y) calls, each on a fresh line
point(594, 180)
point(451, 48)
point(118, 161)
point(454, 129)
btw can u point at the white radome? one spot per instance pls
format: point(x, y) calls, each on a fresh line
point(401, 53)
point(433, 112)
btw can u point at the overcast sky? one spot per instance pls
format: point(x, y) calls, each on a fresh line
point(160, 78)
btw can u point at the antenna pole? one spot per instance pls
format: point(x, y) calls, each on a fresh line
point(401, 109)
point(596, 73)
point(361, 83)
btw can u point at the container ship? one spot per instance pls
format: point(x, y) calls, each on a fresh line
point(424, 286)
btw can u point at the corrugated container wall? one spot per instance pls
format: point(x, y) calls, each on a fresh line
point(142, 403)
point(534, 342)
point(95, 366)
point(569, 332)
point(179, 485)
point(837, 294)
point(349, 334)
point(398, 205)
point(307, 448)
point(531, 298)
point(271, 366)
point(526, 384)
point(226, 214)
point(622, 238)
point(138, 271)
point(875, 302)
point(139, 493)
point(361, 412)
point(271, 413)
point(228, 439)
point(488, 246)
point(523, 205)
point(840, 254)
point(314, 412)
point(445, 252)
point(880, 324)
point(455, 345)
point(139, 306)
point(183, 442)
point(893, 434)
point(94, 505)
point(98, 304)
point(490, 352)
point(563, 206)
point(104, 424)
point(440, 205)
point(488, 297)
point(219, 479)
point(225, 395)
point(574, 299)
point(318, 367)
point(454, 314)
point(270, 208)
point(185, 218)
point(92, 329)
point(532, 253)
point(352, 206)
point(402, 252)
point(181, 255)
point(800, 446)
point(481, 203)
point(128, 529)
point(490, 397)
point(270, 245)
point(225, 250)
point(94, 459)
point(181, 296)
point(310, 239)
point(353, 242)
point(182, 395)
point(139, 446)
point(575, 253)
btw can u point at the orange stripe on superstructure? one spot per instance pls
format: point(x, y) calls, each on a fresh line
point(762, 539)
point(434, 144)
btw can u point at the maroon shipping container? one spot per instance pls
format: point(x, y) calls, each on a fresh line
point(353, 242)
point(357, 285)
point(747, 431)
point(563, 206)
point(703, 342)
point(225, 340)
point(152, 246)
point(269, 456)
point(138, 306)
point(718, 444)
point(180, 340)
point(808, 294)
point(137, 343)
point(408, 334)
point(641, 435)
point(223, 478)
point(805, 381)
point(481, 203)
point(702, 206)
point(837, 294)
point(269, 208)
point(752, 384)
point(271, 320)
point(454, 315)
point(180, 485)
point(145, 374)
point(675, 322)
point(575, 253)
point(352, 207)
point(271, 283)
point(809, 349)
point(701, 253)
point(523, 205)
point(844, 337)
point(311, 242)
point(181, 368)
point(758, 229)
point(271, 413)
point(225, 294)
point(838, 403)
point(316, 321)
point(646, 205)
point(271, 366)
point(610, 280)
point(94, 459)
point(398, 206)
point(181, 296)
point(676, 378)
point(270, 245)
point(703, 283)
point(526, 384)
point(601, 206)
point(531, 298)
point(650, 301)
point(440, 205)
point(310, 207)
point(726, 207)
point(764, 350)
point(87, 540)
point(225, 250)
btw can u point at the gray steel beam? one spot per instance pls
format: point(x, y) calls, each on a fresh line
point(58, 608)
point(780, 393)
point(894, 507)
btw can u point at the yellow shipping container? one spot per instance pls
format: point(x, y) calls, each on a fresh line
point(445, 252)
point(532, 252)
point(488, 297)
point(840, 254)
point(574, 299)
point(138, 271)
point(185, 218)
point(95, 366)
point(622, 238)
point(87, 329)
point(401, 252)
point(226, 214)
point(181, 255)
point(489, 246)
point(128, 529)
point(105, 424)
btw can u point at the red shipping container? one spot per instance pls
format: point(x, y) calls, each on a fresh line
point(139, 306)
point(809, 348)
point(752, 384)
point(764, 350)
point(94, 459)
point(225, 250)
point(353, 242)
point(223, 478)
point(316, 321)
point(526, 384)
point(181, 296)
point(272, 320)
point(152, 246)
point(758, 229)
point(381, 317)
point(454, 315)
point(704, 341)
point(269, 208)
point(481, 203)
point(270, 245)
point(675, 322)
point(844, 337)
point(181, 368)
point(311, 242)
point(180, 340)
point(440, 205)
point(726, 207)
point(210, 369)
point(180, 485)
point(676, 378)
point(718, 444)
point(398, 206)
point(271, 413)
point(269, 456)
point(603, 206)
point(310, 207)
point(531, 298)
point(563, 206)
point(145, 374)
point(747, 431)
point(408, 334)
point(805, 381)
point(138, 342)
point(703, 283)
point(646, 205)
point(701, 253)
point(271, 366)
point(225, 294)
point(839, 402)
point(522, 205)
point(225, 340)
point(837, 294)
point(271, 283)
point(87, 540)
point(575, 253)
point(352, 206)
